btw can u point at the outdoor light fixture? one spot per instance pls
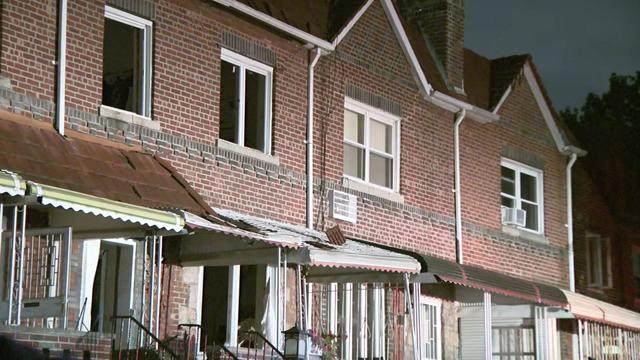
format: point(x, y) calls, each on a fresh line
point(295, 343)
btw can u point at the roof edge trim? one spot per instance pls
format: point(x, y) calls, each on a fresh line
point(454, 105)
point(278, 24)
point(338, 39)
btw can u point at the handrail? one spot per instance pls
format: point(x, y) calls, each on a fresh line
point(263, 338)
point(146, 331)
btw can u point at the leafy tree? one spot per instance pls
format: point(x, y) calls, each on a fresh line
point(608, 127)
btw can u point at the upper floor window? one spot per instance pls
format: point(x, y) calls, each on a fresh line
point(371, 145)
point(245, 101)
point(521, 188)
point(126, 62)
point(430, 332)
point(598, 261)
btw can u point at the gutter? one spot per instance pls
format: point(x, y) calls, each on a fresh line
point(456, 149)
point(280, 25)
point(62, 67)
point(454, 105)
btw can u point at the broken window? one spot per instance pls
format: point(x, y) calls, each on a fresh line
point(126, 62)
point(245, 101)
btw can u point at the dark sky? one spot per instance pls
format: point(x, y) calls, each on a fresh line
point(576, 44)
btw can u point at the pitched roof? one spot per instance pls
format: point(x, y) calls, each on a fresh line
point(321, 18)
point(504, 71)
point(93, 166)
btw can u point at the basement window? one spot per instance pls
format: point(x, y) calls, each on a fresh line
point(126, 64)
point(371, 145)
point(245, 101)
point(599, 271)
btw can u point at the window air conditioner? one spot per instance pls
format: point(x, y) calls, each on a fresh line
point(343, 206)
point(513, 216)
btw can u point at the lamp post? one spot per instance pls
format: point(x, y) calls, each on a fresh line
point(295, 343)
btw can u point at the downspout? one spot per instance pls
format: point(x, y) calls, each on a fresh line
point(316, 56)
point(572, 277)
point(62, 67)
point(456, 148)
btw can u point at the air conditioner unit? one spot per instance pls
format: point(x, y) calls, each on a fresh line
point(343, 206)
point(513, 216)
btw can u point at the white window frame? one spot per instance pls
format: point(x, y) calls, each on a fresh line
point(520, 168)
point(147, 52)
point(437, 304)
point(386, 118)
point(244, 63)
point(602, 280)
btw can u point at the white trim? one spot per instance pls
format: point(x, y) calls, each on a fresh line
point(245, 63)
point(233, 303)
point(502, 99)
point(147, 51)
point(454, 105)
point(398, 29)
point(372, 114)
point(437, 305)
point(520, 168)
point(351, 23)
point(280, 25)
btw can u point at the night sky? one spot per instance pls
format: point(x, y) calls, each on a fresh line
point(576, 44)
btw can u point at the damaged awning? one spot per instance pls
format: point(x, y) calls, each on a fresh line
point(587, 308)
point(246, 239)
point(89, 204)
point(441, 270)
point(11, 184)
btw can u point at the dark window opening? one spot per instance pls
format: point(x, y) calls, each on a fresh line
point(229, 101)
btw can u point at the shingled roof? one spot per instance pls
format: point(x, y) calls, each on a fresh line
point(321, 18)
point(93, 166)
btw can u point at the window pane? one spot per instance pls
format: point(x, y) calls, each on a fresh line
point(353, 161)
point(380, 136)
point(354, 126)
point(508, 173)
point(255, 115)
point(532, 215)
point(508, 202)
point(381, 170)
point(528, 189)
point(229, 101)
point(122, 62)
point(508, 187)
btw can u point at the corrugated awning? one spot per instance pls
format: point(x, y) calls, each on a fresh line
point(11, 183)
point(89, 204)
point(490, 281)
point(586, 308)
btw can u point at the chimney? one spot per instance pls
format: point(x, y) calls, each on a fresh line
point(442, 24)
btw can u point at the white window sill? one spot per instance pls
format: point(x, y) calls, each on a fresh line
point(372, 190)
point(253, 153)
point(128, 117)
point(524, 234)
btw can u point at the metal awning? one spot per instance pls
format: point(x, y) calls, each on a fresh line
point(586, 308)
point(89, 204)
point(312, 248)
point(11, 183)
point(490, 281)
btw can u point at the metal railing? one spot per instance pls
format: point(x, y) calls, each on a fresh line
point(133, 341)
point(253, 345)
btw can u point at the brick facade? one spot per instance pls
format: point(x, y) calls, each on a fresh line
point(186, 75)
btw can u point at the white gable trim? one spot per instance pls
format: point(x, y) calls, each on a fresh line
point(502, 99)
point(351, 23)
point(396, 25)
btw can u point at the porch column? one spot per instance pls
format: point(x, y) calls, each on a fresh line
point(542, 338)
point(488, 342)
point(347, 323)
point(333, 308)
point(233, 302)
point(362, 318)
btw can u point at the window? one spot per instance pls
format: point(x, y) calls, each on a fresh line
point(430, 329)
point(635, 260)
point(371, 145)
point(126, 62)
point(513, 343)
point(521, 188)
point(598, 261)
point(245, 101)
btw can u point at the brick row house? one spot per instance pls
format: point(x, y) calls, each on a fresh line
point(196, 177)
